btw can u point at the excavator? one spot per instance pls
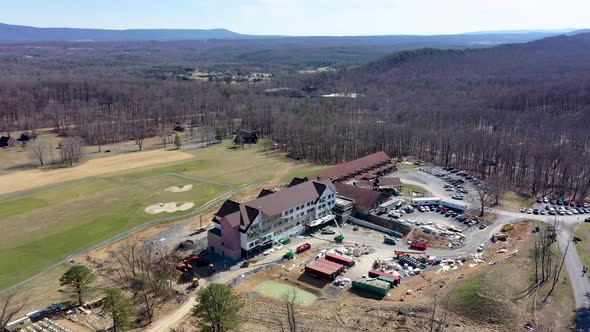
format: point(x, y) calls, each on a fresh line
point(192, 260)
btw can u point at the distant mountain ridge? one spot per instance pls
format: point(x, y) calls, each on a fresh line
point(20, 33)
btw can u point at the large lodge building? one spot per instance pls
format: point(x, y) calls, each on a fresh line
point(245, 230)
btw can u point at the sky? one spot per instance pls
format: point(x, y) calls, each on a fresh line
point(303, 17)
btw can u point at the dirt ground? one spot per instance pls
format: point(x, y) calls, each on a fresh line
point(347, 310)
point(30, 179)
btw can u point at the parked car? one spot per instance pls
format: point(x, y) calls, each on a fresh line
point(481, 247)
point(483, 226)
point(523, 210)
point(587, 219)
point(536, 211)
point(529, 211)
point(328, 231)
point(421, 209)
point(552, 201)
point(539, 200)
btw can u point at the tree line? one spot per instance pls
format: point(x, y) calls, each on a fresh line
point(516, 112)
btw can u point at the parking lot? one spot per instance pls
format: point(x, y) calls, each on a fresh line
point(557, 207)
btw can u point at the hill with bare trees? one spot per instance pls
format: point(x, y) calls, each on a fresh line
point(517, 112)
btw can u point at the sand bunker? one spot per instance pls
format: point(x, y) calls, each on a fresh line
point(176, 189)
point(168, 207)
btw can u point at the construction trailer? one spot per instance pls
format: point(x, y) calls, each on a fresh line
point(372, 285)
point(324, 269)
point(391, 278)
point(426, 201)
point(454, 205)
point(340, 259)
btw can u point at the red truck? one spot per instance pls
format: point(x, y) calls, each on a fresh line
point(303, 247)
point(419, 245)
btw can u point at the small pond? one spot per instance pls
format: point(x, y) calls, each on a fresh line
point(276, 290)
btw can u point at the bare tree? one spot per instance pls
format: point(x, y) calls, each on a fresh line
point(38, 151)
point(546, 266)
point(484, 198)
point(9, 308)
point(290, 300)
point(70, 150)
point(11, 142)
point(496, 187)
point(146, 272)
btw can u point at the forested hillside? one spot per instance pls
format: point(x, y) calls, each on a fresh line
point(518, 113)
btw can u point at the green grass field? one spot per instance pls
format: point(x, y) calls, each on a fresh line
point(583, 232)
point(44, 227)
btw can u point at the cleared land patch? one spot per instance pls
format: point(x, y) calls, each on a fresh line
point(30, 179)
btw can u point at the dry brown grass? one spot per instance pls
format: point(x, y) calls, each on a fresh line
point(30, 179)
point(511, 201)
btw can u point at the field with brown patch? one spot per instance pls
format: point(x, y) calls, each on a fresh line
point(23, 180)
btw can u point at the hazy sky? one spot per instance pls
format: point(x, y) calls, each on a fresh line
point(303, 17)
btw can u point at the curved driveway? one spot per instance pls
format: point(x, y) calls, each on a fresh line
point(573, 264)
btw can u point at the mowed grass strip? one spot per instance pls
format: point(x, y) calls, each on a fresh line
point(45, 227)
point(583, 232)
point(226, 164)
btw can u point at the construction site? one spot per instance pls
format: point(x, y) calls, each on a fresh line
point(356, 256)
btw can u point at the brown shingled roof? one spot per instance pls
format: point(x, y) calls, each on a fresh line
point(364, 199)
point(396, 182)
point(290, 197)
point(228, 207)
point(354, 166)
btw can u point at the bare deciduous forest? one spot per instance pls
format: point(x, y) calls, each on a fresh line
point(520, 112)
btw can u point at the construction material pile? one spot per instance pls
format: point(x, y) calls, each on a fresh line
point(350, 251)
